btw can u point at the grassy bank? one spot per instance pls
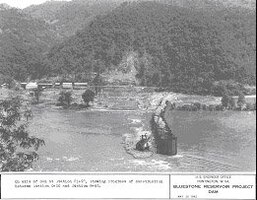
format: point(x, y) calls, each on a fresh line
point(127, 98)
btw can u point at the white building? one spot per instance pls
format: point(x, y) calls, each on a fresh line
point(31, 86)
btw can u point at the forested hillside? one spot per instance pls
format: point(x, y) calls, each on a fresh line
point(184, 45)
point(176, 47)
point(23, 43)
point(69, 16)
point(212, 4)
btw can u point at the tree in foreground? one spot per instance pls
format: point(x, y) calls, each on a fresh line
point(17, 147)
point(88, 96)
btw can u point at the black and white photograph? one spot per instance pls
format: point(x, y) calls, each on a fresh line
point(128, 86)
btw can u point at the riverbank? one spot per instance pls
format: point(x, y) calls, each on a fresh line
point(130, 98)
point(137, 99)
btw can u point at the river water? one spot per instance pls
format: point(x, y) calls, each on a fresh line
point(92, 141)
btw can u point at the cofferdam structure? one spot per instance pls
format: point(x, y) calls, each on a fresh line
point(165, 140)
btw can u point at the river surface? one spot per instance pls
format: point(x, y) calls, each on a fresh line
point(92, 141)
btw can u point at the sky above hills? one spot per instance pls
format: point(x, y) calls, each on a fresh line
point(23, 3)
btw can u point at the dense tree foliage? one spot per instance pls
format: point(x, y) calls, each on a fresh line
point(230, 87)
point(183, 45)
point(14, 137)
point(23, 43)
point(212, 4)
point(69, 16)
point(183, 49)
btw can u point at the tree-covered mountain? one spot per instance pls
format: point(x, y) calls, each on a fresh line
point(212, 4)
point(23, 43)
point(185, 45)
point(181, 48)
point(69, 16)
point(4, 6)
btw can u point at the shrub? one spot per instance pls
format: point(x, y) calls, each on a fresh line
point(212, 107)
point(204, 107)
point(36, 94)
point(219, 108)
point(65, 98)
point(88, 96)
point(197, 105)
point(250, 107)
point(241, 100)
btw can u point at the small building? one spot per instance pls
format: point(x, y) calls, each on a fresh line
point(45, 85)
point(57, 85)
point(23, 85)
point(31, 86)
point(80, 85)
point(67, 85)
